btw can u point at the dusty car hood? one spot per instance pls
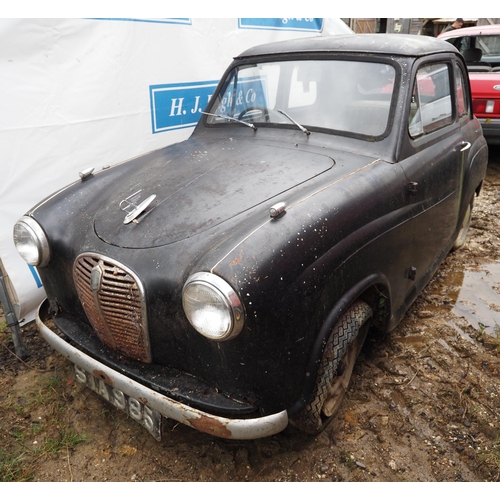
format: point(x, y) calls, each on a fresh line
point(199, 186)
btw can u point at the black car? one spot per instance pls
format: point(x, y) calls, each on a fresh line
point(229, 281)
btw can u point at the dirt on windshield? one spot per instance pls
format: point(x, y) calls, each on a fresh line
point(423, 405)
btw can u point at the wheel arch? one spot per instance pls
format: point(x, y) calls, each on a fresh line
point(375, 291)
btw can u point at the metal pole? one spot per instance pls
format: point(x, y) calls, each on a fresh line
point(11, 318)
point(406, 26)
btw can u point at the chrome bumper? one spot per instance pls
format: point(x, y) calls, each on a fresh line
point(211, 424)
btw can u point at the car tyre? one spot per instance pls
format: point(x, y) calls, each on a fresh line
point(462, 235)
point(335, 370)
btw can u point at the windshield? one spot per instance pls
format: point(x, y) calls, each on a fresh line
point(352, 97)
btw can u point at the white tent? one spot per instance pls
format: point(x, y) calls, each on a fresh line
point(80, 93)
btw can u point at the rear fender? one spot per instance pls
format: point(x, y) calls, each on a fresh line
point(473, 180)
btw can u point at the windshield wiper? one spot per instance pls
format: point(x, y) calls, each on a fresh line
point(294, 122)
point(251, 125)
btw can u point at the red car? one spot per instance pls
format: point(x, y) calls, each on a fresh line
point(480, 46)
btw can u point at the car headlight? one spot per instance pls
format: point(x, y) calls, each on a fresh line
point(31, 242)
point(212, 306)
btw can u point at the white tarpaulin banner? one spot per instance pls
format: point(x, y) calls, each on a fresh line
point(80, 93)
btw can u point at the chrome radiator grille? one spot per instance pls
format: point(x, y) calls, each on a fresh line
point(113, 301)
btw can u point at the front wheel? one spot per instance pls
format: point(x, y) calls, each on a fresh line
point(335, 370)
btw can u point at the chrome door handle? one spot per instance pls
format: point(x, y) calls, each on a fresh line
point(465, 146)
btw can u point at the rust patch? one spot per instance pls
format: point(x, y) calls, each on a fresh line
point(210, 426)
point(237, 260)
point(105, 378)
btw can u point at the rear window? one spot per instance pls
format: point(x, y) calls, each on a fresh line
point(489, 46)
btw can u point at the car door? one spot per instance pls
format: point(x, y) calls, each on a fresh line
point(434, 166)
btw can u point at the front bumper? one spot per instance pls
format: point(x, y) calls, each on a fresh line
point(228, 428)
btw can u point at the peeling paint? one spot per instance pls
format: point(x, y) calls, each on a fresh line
point(210, 426)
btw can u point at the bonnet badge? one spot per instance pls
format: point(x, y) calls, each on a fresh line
point(96, 278)
point(133, 208)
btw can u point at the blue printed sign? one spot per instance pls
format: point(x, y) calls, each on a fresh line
point(282, 23)
point(178, 105)
point(250, 92)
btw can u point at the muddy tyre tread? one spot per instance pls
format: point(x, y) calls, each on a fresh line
point(345, 331)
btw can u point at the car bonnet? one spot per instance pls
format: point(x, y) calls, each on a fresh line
point(193, 187)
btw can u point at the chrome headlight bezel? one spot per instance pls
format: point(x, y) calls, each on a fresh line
point(28, 230)
point(229, 304)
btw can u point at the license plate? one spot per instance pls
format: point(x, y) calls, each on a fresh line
point(150, 419)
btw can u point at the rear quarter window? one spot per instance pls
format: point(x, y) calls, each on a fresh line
point(431, 102)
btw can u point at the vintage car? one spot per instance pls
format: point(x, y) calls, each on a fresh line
point(228, 282)
point(480, 46)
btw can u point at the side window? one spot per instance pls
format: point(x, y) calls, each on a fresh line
point(431, 102)
point(464, 44)
point(461, 89)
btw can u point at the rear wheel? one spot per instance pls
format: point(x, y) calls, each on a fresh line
point(335, 370)
point(462, 235)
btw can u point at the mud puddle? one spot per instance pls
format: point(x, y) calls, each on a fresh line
point(478, 298)
point(471, 293)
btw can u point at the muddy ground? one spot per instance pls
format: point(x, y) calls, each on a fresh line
point(424, 402)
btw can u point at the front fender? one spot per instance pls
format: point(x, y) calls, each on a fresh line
point(360, 289)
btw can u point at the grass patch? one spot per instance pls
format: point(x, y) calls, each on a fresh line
point(490, 459)
point(15, 466)
point(40, 426)
point(68, 439)
point(490, 341)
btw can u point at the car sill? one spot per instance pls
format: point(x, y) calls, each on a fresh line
point(211, 424)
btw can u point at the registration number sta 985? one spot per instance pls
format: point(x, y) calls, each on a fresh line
point(150, 419)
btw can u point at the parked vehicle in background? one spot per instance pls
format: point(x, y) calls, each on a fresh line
point(480, 46)
point(229, 281)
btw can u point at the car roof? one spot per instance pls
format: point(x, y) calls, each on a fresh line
point(378, 43)
point(489, 29)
